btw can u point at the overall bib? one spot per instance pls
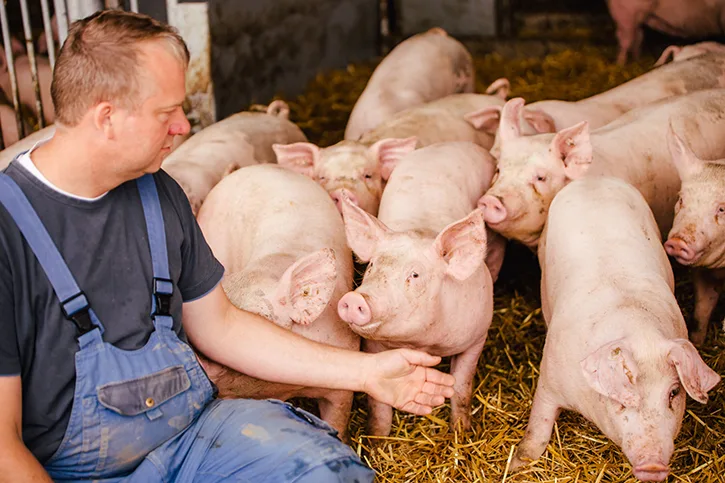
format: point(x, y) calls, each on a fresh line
point(145, 415)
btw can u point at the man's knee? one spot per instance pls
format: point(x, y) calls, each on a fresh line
point(342, 470)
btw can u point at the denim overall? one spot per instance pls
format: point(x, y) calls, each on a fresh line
point(150, 414)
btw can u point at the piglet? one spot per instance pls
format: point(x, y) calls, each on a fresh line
point(425, 67)
point(697, 237)
point(616, 347)
point(26, 90)
point(426, 285)
point(241, 139)
point(363, 167)
point(283, 247)
point(533, 169)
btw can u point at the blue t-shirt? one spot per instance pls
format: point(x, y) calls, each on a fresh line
point(104, 243)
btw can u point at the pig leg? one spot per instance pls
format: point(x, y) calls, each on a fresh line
point(463, 368)
point(380, 415)
point(335, 409)
point(544, 412)
point(629, 27)
point(705, 300)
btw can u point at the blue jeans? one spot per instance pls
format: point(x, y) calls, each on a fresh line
point(253, 441)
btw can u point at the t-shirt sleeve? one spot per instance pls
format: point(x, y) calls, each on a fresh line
point(9, 355)
point(201, 272)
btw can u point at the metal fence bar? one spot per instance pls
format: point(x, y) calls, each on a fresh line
point(134, 6)
point(11, 67)
point(33, 61)
point(48, 32)
point(61, 16)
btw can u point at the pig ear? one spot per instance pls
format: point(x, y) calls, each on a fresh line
point(696, 376)
point(486, 119)
point(574, 147)
point(390, 150)
point(306, 287)
point(279, 109)
point(462, 245)
point(685, 161)
point(362, 229)
point(510, 119)
point(541, 121)
point(499, 87)
point(300, 157)
point(672, 50)
point(612, 372)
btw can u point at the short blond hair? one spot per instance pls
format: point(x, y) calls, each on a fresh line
point(99, 61)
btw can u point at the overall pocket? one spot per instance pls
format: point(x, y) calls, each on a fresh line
point(138, 415)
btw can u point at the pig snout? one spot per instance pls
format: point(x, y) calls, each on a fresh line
point(336, 196)
point(680, 250)
point(651, 471)
point(493, 209)
point(354, 309)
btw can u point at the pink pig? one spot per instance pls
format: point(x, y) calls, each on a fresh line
point(697, 73)
point(363, 167)
point(426, 285)
point(616, 346)
point(697, 238)
point(283, 247)
point(533, 169)
point(239, 140)
point(425, 67)
point(694, 18)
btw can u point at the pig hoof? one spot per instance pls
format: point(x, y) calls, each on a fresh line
point(519, 462)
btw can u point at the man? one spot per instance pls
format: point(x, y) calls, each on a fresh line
point(104, 273)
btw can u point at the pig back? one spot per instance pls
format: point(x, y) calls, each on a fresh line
point(434, 186)
point(437, 121)
point(635, 146)
point(616, 251)
point(698, 73)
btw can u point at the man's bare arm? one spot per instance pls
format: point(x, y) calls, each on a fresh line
point(254, 345)
point(17, 463)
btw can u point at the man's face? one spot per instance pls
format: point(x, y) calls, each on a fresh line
point(146, 134)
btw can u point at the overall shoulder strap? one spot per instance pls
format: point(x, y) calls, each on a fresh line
point(74, 303)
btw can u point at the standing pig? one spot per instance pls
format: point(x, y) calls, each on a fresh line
point(363, 167)
point(697, 238)
point(283, 247)
point(532, 169)
point(688, 51)
point(426, 285)
point(702, 72)
point(616, 346)
point(694, 18)
point(239, 140)
point(423, 68)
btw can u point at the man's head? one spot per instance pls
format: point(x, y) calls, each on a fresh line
point(120, 80)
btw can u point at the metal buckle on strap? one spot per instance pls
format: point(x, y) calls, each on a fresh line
point(163, 288)
point(81, 316)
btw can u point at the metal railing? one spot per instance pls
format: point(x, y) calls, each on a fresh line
point(66, 11)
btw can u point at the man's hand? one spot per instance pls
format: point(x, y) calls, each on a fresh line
point(403, 379)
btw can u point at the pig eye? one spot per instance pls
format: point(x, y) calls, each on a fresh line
point(540, 178)
point(321, 178)
point(721, 210)
point(674, 393)
point(413, 275)
point(368, 176)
